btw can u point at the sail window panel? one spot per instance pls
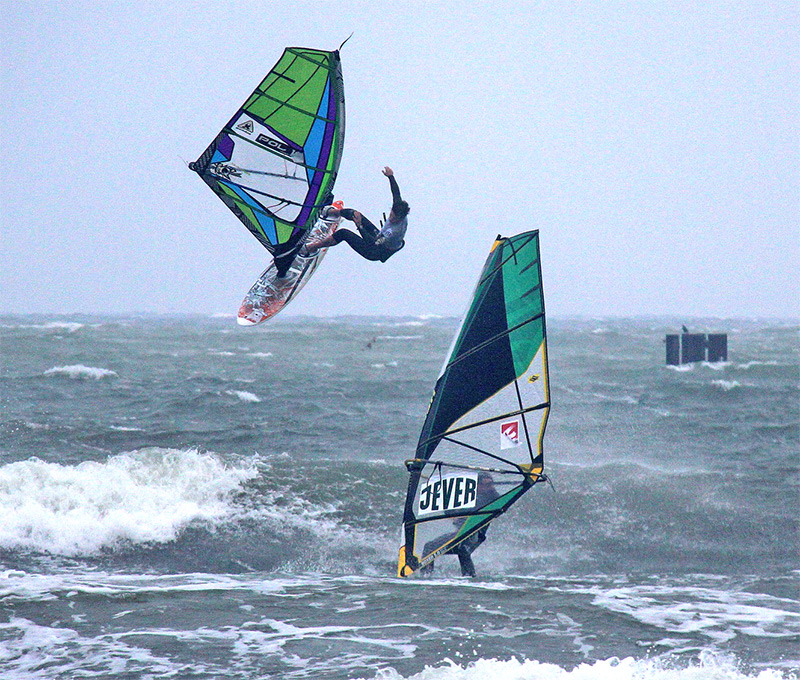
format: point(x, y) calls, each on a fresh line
point(505, 438)
point(454, 453)
point(275, 177)
point(504, 400)
point(466, 384)
point(433, 535)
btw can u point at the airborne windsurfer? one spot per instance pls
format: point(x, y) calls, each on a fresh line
point(373, 244)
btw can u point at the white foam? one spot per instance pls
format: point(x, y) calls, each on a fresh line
point(717, 614)
point(248, 397)
point(30, 650)
point(260, 355)
point(750, 364)
point(70, 327)
point(142, 496)
point(716, 365)
point(710, 668)
point(726, 385)
point(683, 368)
point(80, 372)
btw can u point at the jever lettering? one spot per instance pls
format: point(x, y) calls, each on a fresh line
point(445, 492)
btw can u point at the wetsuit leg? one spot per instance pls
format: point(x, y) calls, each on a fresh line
point(368, 230)
point(364, 248)
point(465, 550)
point(465, 562)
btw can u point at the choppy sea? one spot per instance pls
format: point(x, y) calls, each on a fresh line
point(182, 498)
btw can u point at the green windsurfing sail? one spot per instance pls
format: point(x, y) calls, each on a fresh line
point(274, 164)
point(481, 444)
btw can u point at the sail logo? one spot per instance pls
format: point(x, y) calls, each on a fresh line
point(247, 127)
point(448, 492)
point(509, 434)
point(275, 145)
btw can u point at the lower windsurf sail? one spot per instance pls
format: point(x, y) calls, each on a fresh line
point(275, 162)
point(481, 444)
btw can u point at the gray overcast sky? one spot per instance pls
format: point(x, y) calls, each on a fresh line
point(654, 144)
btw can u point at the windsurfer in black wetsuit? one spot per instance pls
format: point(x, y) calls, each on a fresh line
point(373, 243)
point(486, 494)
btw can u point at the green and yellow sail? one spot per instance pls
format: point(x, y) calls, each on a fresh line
point(481, 446)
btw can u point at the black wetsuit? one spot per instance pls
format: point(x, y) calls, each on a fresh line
point(373, 243)
point(365, 244)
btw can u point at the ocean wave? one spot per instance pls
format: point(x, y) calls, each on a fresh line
point(388, 364)
point(716, 614)
point(242, 395)
point(752, 364)
point(726, 385)
point(80, 372)
point(68, 326)
point(31, 650)
point(683, 368)
point(711, 667)
point(145, 496)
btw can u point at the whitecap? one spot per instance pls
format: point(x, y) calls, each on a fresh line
point(726, 385)
point(242, 395)
point(751, 364)
point(80, 372)
point(683, 368)
point(68, 326)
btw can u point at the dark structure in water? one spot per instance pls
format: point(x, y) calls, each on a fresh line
point(690, 347)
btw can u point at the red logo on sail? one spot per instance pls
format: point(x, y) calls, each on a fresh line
point(509, 434)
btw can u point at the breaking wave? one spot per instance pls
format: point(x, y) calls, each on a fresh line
point(80, 372)
point(141, 497)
